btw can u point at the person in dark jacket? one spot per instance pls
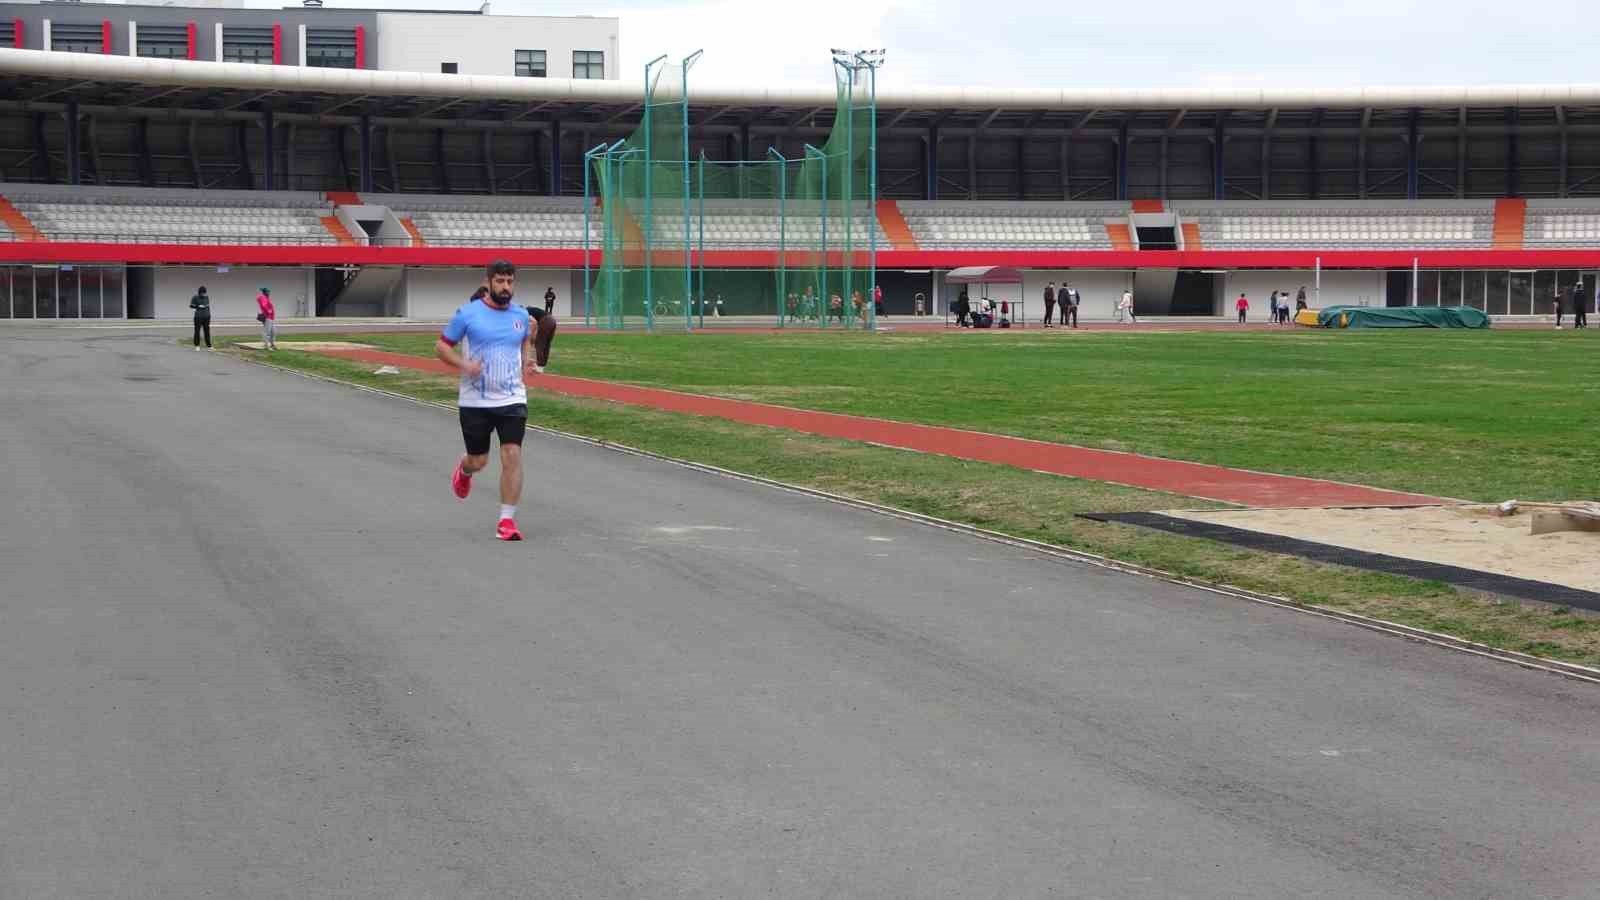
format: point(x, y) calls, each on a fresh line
point(201, 304)
point(1069, 300)
point(1049, 303)
point(550, 299)
point(962, 308)
point(1580, 302)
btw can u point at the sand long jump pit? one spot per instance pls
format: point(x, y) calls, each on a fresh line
point(1472, 546)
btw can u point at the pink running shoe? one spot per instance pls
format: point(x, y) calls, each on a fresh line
point(507, 531)
point(460, 481)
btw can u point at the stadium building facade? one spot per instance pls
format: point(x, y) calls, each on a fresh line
point(398, 181)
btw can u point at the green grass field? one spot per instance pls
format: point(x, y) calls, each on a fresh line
point(1474, 415)
point(1462, 415)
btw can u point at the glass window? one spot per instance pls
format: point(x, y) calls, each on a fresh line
point(447, 68)
point(1544, 293)
point(1450, 288)
point(1496, 293)
point(331, 48)
point(152, 50)
point(163, 41)
point(588, 64)
point(44, 292)
point(72, 38)
point(530, 64)
point(1397, 288)
point(67, 292)
point(1428, 288)
point(1472, 289)
point(89, 293)
point(5, 292)
point(247, 53)
point(111, 292)
point(331, 57)
point(1565, 279)
point(21, 292)
point(1520, 301)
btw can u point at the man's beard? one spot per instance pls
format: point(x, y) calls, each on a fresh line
point(501, 300)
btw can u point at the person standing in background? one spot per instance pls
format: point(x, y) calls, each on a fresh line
point(268, 317)
point(1580, 300)
point(1126, 306)
point(550, 299)
point(201, 304)
point(1243, 306)
point(1300, 299)
point(1050, 303)
point(1069, 304)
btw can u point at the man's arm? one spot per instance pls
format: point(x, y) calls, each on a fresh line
point(527, 349)
point(451, 357)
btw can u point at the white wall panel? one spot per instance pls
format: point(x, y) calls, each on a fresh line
point(233, 293)
point(486, 45)
point(437, 293)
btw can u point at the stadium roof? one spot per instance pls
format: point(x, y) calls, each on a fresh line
point(44, 79)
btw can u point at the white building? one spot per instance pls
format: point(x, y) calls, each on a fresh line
point(450, 42)
point(526, 46)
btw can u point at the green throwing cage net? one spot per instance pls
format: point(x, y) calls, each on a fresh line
point(790, 241)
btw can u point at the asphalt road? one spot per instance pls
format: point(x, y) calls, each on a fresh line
point(253, 647)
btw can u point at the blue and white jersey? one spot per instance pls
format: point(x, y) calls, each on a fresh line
point(493, 337)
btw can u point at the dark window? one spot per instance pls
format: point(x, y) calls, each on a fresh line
point(76, 38)
point(8, 33)
point(331, 48)
point(530, 64)
point(164, 41)
point(247, 45)
point(588, 64)
point(447, 68)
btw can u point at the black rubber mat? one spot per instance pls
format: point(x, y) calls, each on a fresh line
point(1504, 585)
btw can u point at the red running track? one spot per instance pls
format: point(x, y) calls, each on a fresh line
point(1153, 473)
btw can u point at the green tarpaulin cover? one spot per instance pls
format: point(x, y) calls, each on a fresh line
point(1402, 317)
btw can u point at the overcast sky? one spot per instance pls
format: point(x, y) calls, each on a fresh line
point(1156, 43)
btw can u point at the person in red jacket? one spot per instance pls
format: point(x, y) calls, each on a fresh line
point(1243, 306)
point(268, 317)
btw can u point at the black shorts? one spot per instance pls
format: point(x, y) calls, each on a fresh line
point(477, 423)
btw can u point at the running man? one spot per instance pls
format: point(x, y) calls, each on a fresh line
point(493, 397)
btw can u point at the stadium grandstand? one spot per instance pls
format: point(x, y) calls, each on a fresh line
point(371, 182)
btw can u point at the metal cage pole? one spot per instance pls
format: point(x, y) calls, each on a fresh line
point(848, 188)
point(588, 161)
point(649, 198)
point(702, 172)
point(688, 250)
point(783, 209)
point(822, 271)
point(614, 253)
point(872, 199)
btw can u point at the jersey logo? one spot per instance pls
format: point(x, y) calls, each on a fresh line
point(516, 324)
